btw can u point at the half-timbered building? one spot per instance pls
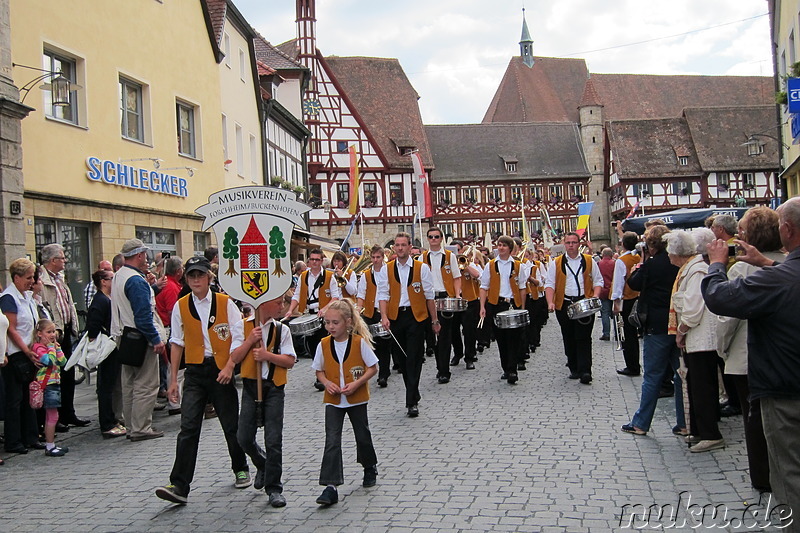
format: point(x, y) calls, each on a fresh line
point(700, 159)
point(487, 174)
point(536, 89)
point(368, 103)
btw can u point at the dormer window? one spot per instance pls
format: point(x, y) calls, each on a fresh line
point(405, 146)
point(510, 163)
point(511, 168)
point(683, 160)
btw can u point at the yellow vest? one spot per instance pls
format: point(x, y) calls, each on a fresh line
point(630, 260)
point(533, 290)
point(445, 269)
point(561, 278)
point(494, 282)
point(416, 294)
point(249, 368)
point(323, 292)
point(354, 368)
point(470, 287)
point(371, 293)
point(219, 331)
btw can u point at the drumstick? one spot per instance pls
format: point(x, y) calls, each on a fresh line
point(398, 343)
point(480, 323)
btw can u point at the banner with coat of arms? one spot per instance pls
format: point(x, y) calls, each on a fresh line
point(253, 226)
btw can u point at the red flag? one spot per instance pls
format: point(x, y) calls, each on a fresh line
point(424, 206)
point(354, 178)
point(633, 209)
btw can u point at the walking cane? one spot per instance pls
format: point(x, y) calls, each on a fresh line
point(259, 392)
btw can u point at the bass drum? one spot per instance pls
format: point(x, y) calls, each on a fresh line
point(584, 308)
point(512, 319)
point(378, 330)
point(305, 325)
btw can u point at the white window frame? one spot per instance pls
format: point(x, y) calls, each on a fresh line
point(56, 61)
point(226, 49)
point(253, 158)
point(239, 150)
point(683, 160)
point(748, 180)
point(225, 155)
point(124, 83)
point(242, 64)
point(190, 132)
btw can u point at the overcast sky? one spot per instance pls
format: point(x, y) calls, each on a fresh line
point(455, 51)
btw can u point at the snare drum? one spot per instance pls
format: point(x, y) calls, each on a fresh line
point(378, 330)
point(512, 319)
point(450, 305)
point(584, 308)
point(305, 325)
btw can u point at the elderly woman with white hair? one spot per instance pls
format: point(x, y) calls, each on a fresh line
point(694, 327)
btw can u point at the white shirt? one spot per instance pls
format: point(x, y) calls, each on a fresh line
point(404, 270)
point(618, 282)
point(362, 284)
point(369, 357)
point(538, 274)
point(504, 268)
point(333, 287)
point(575, 264)
point(437, 258)
point(203, 306)
point(27, 315)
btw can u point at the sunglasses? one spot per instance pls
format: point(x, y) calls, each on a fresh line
point(434, 237)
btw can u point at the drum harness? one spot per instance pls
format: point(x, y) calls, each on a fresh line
point(564, 267)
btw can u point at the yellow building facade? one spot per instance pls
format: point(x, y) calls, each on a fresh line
point(138, 146)
point(786, 32)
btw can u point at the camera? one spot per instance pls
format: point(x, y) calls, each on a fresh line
point(732, 250)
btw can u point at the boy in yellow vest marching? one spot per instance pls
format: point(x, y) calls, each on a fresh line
point(344, 363)
point(370, 309)
point(572, 277)
point(502, 286)
point(268, 348)
point(205, 326)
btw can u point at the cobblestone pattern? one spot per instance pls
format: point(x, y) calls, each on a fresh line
point(545, 454)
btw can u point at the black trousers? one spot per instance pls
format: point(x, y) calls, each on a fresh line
point(200, 387)
point(411, 335)
point(444, 342)
point(630, 347)
point(757, 454)
point(577, 336)
point(703, 394)
point(108, 373)
point(20, 423)
point(383, 348)
point(66, 413)
point(455, 336)
point(469, 322)
point(270, 457)
point(510, 342)
point(332, 470)
point(538, 315)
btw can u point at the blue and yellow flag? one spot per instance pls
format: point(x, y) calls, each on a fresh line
point(584, 210)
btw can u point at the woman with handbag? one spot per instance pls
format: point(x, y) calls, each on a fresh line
point(17, 305)
point(109, 393)
point(654, 278)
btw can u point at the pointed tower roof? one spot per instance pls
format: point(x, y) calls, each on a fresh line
point(526, 43)
point(590, 97)
point(253, 235)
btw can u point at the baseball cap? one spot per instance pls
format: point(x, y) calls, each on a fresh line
point(197, 263)
point(132, 247)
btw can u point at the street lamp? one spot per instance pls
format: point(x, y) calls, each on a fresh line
point(756, 147)
point(58, 85)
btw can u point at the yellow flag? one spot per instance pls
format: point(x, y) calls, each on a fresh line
point(354, 178)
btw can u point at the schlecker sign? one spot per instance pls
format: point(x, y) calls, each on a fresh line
point(254, 227)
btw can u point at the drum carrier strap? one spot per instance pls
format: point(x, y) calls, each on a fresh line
point(314, 292)
point(565, 266)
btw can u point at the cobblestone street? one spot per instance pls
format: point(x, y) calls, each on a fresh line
point(545, 454)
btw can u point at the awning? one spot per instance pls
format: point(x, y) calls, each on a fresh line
point(309, 241)
point(682, 218)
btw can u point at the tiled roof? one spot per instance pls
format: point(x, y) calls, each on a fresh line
point(216, 12)
point(554, 87)
point(476, 152)
point(718, 134)
point(272, 57)
point(589, 97)
point(289, 48)
point(383, 97)
point(650, 148)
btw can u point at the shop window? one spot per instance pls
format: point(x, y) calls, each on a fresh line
point(75, 237)
point(131, 109)
point(186, 129)
point(158, 240)
point(68, 68)
point(200, 242)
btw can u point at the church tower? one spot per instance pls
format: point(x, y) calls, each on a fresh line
point(593, 139)
point(526, 43)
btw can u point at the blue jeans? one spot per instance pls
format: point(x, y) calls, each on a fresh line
point(605, 316)
point(660, 357)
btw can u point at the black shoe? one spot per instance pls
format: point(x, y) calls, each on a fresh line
point(604, 338)
point(38, 445)
point(512, 378)
point(574, 375)
point(173, 412)
point(479, 348)
point(20, 449)
point(504, 376)
point(454, 361)
point(666, 392)
point(521, 366)
point(171, 494)
point(370, 476)
point(319, 386)
point(730, 410)
point(78, 422)
point(413, 411)
point(259, 479)
point(276, 499)
point(329, 496)
point(61, 428)
point(586, 379)
point(429, 353)
point(443, 380)
point(382, 382)
point(628, 372)
point(470, 366)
